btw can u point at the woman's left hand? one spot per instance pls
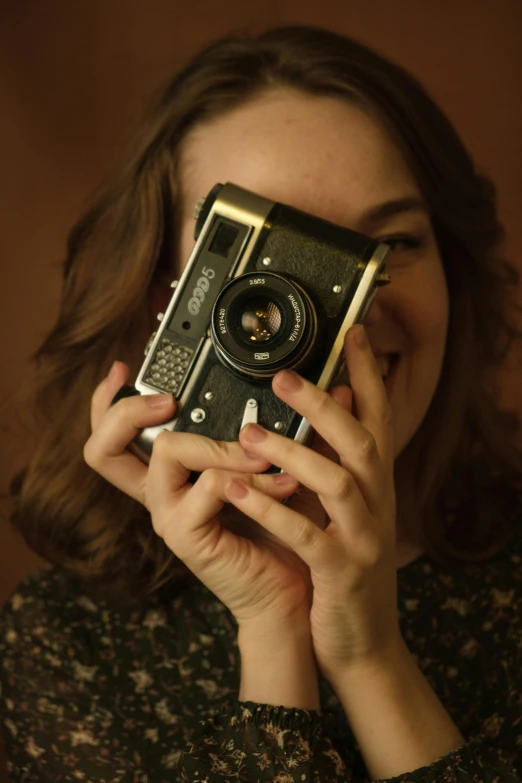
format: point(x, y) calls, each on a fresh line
point(354, 618)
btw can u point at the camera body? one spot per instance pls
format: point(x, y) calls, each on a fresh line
point(266, 287)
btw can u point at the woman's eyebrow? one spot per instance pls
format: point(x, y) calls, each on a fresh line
point(388, 209)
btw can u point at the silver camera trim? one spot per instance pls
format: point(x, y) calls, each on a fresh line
point(236, 204)
point(252, 210)
point(335, 362)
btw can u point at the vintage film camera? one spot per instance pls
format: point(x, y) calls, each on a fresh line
point(266, 287)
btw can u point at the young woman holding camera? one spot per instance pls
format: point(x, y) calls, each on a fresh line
point(368, 628)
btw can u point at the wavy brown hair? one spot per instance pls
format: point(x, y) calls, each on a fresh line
point(458, 479)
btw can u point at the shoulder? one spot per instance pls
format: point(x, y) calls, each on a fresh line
point(52, 612)
point(48, 596)
point(465, 619)
point(46, 584)
point(44, 626)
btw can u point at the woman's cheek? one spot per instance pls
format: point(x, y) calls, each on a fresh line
point(422, 302)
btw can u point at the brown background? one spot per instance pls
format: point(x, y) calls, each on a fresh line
point(75, 77)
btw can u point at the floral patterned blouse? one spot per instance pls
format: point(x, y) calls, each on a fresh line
point(151, 695)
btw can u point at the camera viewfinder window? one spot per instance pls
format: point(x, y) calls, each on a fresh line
point(224, 239)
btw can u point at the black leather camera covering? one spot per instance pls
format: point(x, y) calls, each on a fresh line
point(316, 254)
point(224, 413)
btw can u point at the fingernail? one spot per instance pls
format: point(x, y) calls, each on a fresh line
point(236, 489)
point(284, 479)
point(289, 381)
point(159, 400)
point(254, 433)
point(359, 335)
point(251, 455)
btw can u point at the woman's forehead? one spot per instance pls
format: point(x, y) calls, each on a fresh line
point(322, 155)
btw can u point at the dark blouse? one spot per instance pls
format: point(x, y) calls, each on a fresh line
point(150, 695)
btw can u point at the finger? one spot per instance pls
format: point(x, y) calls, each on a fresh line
point(129, 416)
point(362, 483)
point(328, 418)
point(105, 391)
point(345, 433)
point(370, 398)
point(185, 518)
point(106, 449)
point(336, 487)
point(365, 448)
point(176, 454)
point(121, 423)
point(114, 428)
point(342, 395)
point(313, 546)
point(199, 453)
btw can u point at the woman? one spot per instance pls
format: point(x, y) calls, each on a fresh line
point(368, 627)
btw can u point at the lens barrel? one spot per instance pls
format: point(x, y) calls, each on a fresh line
point(262, 323)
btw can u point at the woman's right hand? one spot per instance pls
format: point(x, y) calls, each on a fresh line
point(257, 578)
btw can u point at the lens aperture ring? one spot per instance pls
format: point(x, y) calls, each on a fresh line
point(262, 323)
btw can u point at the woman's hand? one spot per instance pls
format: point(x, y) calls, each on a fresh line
point(257, 579)
point(354, 619)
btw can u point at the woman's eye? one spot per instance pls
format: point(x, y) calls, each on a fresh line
point(402, 242)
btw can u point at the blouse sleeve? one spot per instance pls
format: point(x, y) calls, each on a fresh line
point(249, 741)
point(474, 762)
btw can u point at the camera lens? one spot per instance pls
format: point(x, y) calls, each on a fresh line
point(262, 323)
point(261, 319)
